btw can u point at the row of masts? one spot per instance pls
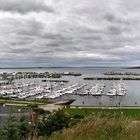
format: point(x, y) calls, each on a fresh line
point(72, 89)
point(55, 90)
point(119, 89)
point(33, 89)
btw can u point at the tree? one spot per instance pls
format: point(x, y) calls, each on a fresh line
point(10, 130)
point(25, 129)
point(53, 122)
point(15, 129)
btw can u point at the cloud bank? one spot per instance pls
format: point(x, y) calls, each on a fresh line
point(69, 32)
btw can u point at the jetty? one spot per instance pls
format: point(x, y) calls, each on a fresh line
point(57, 81)
point(71, 74)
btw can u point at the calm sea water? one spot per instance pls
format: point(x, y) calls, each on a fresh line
point(132, 98)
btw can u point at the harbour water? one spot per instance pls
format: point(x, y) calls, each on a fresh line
point(132, 98)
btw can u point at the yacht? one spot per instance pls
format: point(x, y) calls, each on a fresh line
point(117, 90)
point(121, 89)
point(95, 90)
point(112, 92)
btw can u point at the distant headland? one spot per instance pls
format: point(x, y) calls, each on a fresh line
point(137, 67)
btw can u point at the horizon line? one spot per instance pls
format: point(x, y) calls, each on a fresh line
point(39, 67)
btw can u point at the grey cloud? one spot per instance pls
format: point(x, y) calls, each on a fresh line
point(24, 6)
point(20, 42)
point(114, 30)
point(53, 44)
point(114, 19)
point(30, 28)
point(110, 17)
point(19, 50)
point(53, 36)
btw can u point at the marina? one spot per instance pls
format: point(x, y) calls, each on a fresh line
point(43, 91)
point(93, 92)
point(55, 90)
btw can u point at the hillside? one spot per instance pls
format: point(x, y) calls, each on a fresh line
point(102, 127)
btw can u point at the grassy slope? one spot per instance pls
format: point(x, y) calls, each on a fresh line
point(102, 124)
point(102, 127)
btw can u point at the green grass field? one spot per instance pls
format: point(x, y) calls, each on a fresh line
point(24, 102)
point(135, 113)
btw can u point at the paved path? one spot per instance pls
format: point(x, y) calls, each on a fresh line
point(107, 107)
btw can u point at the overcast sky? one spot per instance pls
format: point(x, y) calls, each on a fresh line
point(69, 33)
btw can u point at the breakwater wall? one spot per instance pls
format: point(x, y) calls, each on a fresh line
point(122, 73)
point(112, 78)
point(27, 75)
